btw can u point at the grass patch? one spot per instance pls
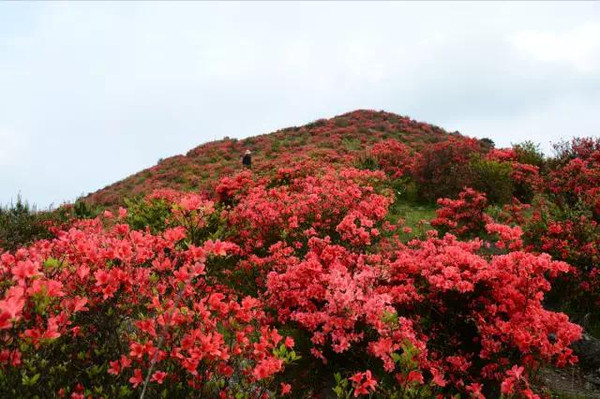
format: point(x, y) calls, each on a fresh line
point(416, 215)
point(411, 213)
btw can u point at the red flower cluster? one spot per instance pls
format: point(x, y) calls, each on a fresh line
point(566, 221)
point(443, 169)
point(462, 216)
point(394, 158)
point(461, 312)
point(341, 202)
point(364, 383)
point(510, 237)
point(502, 155)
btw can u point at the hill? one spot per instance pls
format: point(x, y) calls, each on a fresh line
point(337, 140)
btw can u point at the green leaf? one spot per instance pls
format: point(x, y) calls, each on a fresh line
point(30, 381)
point(337, 377)
point(52, 263)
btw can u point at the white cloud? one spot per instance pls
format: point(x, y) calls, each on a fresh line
point(11, 146)
point(571, 116)
point(578, 47)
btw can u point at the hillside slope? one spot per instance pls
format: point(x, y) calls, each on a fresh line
point(367, 254)
point(335, 140)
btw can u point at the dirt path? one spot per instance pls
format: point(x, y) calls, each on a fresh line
point(579, 381)
point(570, 383)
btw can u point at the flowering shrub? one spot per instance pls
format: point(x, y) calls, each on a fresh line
point(228, 187)
point(443, 168)
point(341, 202)
point(464, 215)
point(527, 181)
point(565, 223)
point(501, 155)
point(394, 158)
point(578, 179)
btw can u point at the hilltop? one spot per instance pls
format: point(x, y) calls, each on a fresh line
point(337, 140)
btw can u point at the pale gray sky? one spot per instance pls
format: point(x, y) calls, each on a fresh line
point(93, 92)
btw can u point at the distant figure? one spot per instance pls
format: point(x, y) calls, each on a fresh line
point(247, 159)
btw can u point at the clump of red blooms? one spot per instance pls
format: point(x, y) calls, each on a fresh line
point(394, 158)
point(443, 168)
point(526, 177)
point(242, 289)
point(363, 383)
point(462, 216)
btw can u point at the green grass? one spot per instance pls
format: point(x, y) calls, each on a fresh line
point(413, 213)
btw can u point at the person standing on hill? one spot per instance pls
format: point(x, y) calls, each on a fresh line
point(247, 159)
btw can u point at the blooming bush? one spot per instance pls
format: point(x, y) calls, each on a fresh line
point(394, 158)
point(566, 223)
point(442, 169)
point(341, 202)
point(463, 216)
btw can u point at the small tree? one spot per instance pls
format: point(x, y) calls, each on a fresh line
point(21, 224)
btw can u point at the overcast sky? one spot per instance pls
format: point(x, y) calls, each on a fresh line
point(93, 92)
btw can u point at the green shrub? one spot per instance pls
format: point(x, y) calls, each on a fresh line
point(142, 213)
point(366, 161)
point(351, 144)
point(81, 210)
point(275, 146)
point(488, 143)
point(492, 178)
point(529, 152)
point(317, 123)
point(341, 122)
point(21, 224)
